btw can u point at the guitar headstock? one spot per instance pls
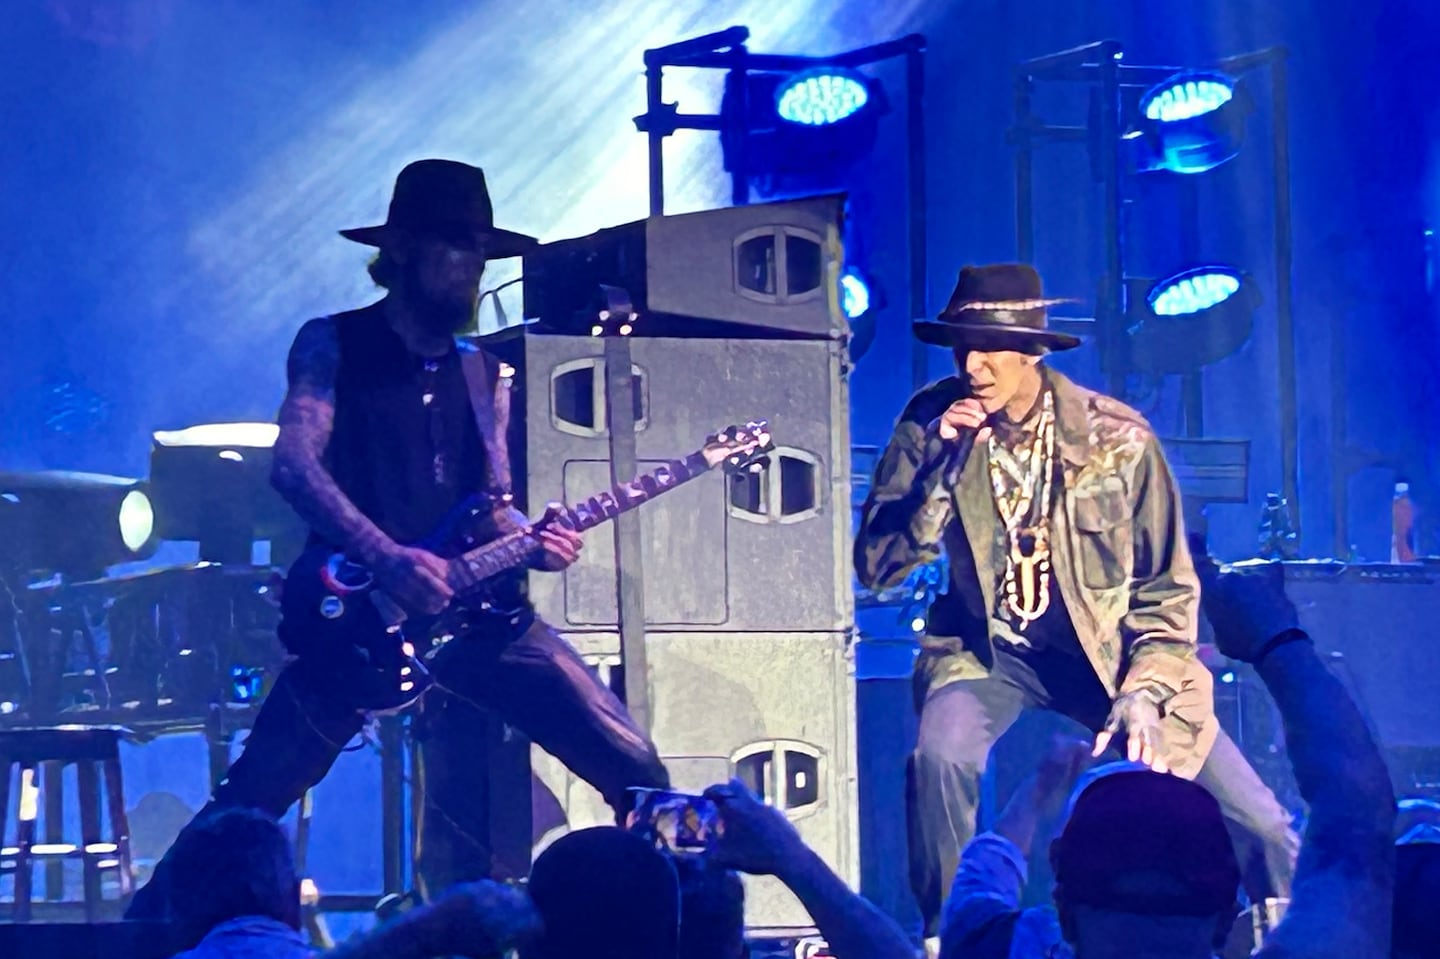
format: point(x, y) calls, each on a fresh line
point(739, 448)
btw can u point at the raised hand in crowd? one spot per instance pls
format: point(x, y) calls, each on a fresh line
point(758, 839)
point(1342, 895)
point(1248, 607)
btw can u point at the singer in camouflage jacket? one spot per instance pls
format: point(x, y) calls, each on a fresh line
point(1120, 558)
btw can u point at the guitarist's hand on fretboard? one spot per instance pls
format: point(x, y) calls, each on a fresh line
point(415, 578)
point(559, 544)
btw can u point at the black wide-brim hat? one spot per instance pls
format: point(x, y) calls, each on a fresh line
point(445, 199)
point(993, 308)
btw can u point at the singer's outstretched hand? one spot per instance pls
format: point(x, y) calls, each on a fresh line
point(966, 414)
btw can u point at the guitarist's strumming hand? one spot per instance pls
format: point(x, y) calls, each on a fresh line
point(415, 578)
point(559, 545)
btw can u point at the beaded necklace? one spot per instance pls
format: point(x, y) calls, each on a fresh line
point(1021, 480)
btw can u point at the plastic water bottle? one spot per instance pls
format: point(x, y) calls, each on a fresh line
point(1402, 525)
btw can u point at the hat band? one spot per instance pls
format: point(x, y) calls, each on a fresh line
point(1030, 321)
point(1005, 306)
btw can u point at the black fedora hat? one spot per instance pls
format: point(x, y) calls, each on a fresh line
point(999, 307)
point(447, 199)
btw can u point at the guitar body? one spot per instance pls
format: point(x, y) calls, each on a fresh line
point(332, 612)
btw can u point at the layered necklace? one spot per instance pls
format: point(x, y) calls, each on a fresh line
point(1023, 481)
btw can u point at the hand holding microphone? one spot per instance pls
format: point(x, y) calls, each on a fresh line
point(966, 414)
point(959, 428)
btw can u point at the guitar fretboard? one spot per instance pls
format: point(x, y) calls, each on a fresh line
point(470, 570)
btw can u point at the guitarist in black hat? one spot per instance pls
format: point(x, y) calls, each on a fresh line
point(1071, 585)
point(390, 423)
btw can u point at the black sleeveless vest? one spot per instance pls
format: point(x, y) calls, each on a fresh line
point(405, 448)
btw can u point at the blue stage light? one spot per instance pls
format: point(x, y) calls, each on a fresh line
point(854, 294)
point(1187, 96)
point(799, 134)
point(1194, 291)
point(1191, 123)
point(821, 96)
point(1188, 321)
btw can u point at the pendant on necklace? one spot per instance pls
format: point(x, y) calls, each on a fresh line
point(1027, 574)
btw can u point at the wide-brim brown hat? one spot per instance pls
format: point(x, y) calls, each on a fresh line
point(445, 199)
point(998, 307)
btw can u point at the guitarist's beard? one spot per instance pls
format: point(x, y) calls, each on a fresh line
point(446, 316)
point(441, 312)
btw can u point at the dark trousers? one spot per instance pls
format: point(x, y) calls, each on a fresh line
point(537, 684)
point(960, 722)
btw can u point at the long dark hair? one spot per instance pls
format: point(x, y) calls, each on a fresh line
point(384, 269)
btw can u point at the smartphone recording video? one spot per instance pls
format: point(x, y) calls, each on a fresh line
point(675, 822)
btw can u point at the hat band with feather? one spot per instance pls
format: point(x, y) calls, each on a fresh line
point(1009, 306)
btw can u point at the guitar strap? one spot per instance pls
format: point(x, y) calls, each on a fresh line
point(488, 382)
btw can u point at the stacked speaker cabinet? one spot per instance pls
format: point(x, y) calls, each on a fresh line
point(753, 552)
point(747, 583)
point(1372, 620)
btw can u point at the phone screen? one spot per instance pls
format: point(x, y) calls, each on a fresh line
point(677, 822)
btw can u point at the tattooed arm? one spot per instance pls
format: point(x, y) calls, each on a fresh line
point(414, 576)
point(557, 546)
point(306, 418)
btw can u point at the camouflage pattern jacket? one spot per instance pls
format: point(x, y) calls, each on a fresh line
point(1119, 555)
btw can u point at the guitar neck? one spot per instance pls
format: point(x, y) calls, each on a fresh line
point(514, 549)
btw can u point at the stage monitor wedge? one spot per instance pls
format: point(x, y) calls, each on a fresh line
point(768, 270)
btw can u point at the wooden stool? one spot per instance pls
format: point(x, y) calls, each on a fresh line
point(35, 759)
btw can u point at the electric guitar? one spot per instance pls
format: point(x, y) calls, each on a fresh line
point(333, 611)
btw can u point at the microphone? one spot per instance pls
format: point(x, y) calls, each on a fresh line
point(945, 469)
point(957, 453)
point(948, 466)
